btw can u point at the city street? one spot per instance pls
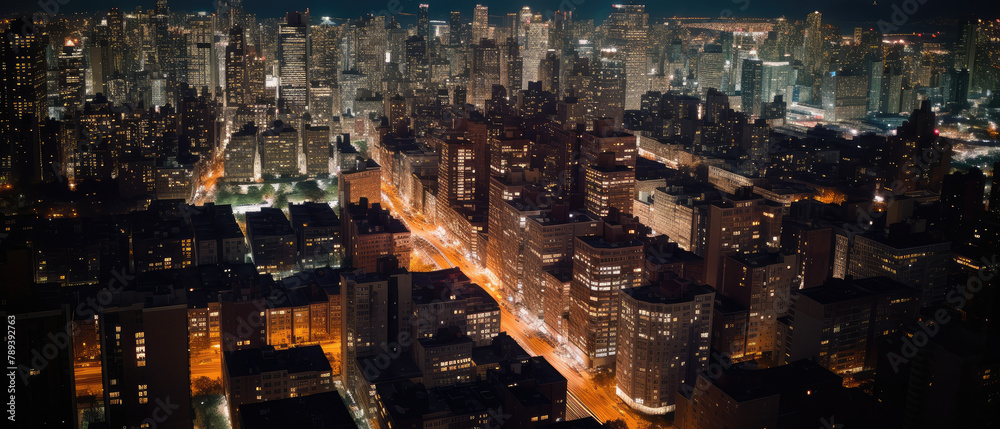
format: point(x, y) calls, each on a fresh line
point(585, 397)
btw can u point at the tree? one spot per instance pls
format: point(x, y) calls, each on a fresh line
point(616, 424)
point(281, 201)
point(604, 379)
point(310, 191)
point(92, 415)
point(267, 191)
point(207, 386)
point(254, 194)
point(206, 410)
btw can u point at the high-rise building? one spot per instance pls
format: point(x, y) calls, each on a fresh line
point(914, 257)
point(548, 261)
point(377, 311)
point(844, 96)
point(962, 196)
point(201, 61)
point(752, 86)
point(161, 239)
point(52, 383)
point(763, 284)
point(891, 91)
point(733, 395)
point(370, 234)
point(218, 239)
point(257, 91)
point(965, 50)
point(456, 29)
point(256, 375)
point(682, 214)
point(663, 342)
point(606, 137)
point(236, 68)
point(456, 171)
point(480, 24)
point(447, 298)
point(815, 55)
point(994, 204)
point(484, 72)
point(740, 224)
point(324, 57)
point(116, 42)
point(608, 186)
point(143, 338)
point(548, 73)
point(317, 229)
point(534, 44)
point(241, 153)
point(22, 101)
point(423, 22)
point(505, 255)
point(711, 68)
point(603, 265)
point(607, 99)
point(272, 241)
point(279, 154)
point(363, 179)
point(778, 79)
point(839, 325)
point(627, 26)
point(293, 61)
point(370, 44)
point(316, 147)
point(321, 103)
point(72, 76)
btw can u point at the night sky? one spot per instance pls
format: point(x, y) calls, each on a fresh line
point(846, 13)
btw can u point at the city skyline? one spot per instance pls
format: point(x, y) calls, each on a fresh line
point(843, 12)
point(500, 216)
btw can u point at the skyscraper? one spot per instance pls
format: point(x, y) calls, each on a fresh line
point(293, 61)
point(534, 44)
point(627, 31)
point(608, 186)
point(241, 153)
point(548, 73)
point(200, 53)
point(815, 56)
point(423, 22)
point(22, 100)
point(72, 76)
point(480, 23)
point(456, 29)
point(141, 348)
point(778, 79)
point(663, 341)
point(370, 45)
point(484, 72)
point(762, 283)
point(279, 150)
point(743, 223)
point(602, 266)
point(752, 86)
point(236, 68)
point(965, 49)
point(117, 42)
point(844, 96)
point(711, 65)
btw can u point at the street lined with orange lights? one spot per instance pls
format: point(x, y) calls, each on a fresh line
point(582, 388)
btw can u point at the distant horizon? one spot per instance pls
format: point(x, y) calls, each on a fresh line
point(846, 14)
